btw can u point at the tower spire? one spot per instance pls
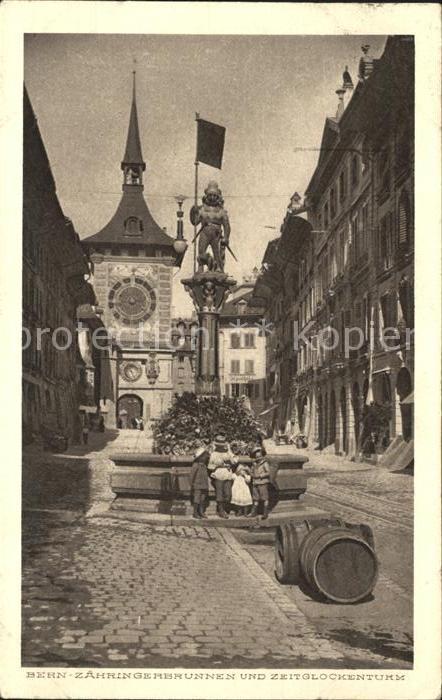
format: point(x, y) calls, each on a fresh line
point(133, 164)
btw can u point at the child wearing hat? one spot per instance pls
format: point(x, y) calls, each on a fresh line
point(260, 482)
point(220, 465)
point(241, 497)
point(199, 481)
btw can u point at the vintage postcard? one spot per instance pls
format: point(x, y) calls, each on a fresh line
point(222, 239)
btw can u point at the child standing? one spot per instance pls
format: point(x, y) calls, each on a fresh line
point(220, 468)
point(241, 497)
point(260, 482)
point(199, 481)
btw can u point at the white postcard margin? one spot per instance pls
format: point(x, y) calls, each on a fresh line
point(422, 21)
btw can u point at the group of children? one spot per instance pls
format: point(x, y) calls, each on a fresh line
point(231, 481)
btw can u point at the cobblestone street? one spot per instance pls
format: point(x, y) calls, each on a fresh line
point(106, 592)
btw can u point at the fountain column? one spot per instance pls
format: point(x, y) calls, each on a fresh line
point(208, 290)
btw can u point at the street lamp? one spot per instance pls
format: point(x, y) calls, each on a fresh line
point(180, 244)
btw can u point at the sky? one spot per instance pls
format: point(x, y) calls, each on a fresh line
point(272, 93)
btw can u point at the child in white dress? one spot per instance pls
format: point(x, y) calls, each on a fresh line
point(241, 496)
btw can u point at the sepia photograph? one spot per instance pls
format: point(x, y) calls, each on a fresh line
point(218, 357)
point(218, 378)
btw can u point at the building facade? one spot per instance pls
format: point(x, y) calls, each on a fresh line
point(133, 260)
point(352, 294)
point(55, 274)
point(94, 377)
point(243, 347)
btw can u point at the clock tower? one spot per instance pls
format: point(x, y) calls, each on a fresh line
point(133, 260)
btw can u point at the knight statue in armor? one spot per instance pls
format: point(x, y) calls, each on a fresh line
point(214, 230)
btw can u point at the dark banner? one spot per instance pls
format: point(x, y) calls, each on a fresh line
point(210, 143)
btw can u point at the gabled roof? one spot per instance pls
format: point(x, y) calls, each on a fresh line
point(230, 308)
point(132, 204)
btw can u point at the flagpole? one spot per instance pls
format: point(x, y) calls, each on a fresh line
point(197, 116)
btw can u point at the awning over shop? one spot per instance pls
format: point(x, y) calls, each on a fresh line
point(409, 399)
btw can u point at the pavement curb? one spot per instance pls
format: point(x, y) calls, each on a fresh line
point(285, 609)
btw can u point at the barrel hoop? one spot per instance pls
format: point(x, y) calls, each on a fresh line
point(287, 568)
point(341, 536)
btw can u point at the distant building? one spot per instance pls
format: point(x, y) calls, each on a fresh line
point(243, 346)
point(133, 262)
point(183, 339)
point(351, 264)
point(55, 274)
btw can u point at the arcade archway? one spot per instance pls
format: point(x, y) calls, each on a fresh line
point(129, 407)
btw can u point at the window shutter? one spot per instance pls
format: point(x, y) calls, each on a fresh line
point(234, 366)
point(403, 221)
point(235, 340)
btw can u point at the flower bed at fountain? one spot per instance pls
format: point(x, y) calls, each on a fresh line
point(193, 421)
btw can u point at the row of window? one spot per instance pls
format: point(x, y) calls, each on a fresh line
point(242, 340)
point(348, 179)
point(356, 241)
point(249, 367)
point(40, 354)
point(43, 304)
point(391, 241)
point(126, 253)
point(252, 390)
point(386, 315)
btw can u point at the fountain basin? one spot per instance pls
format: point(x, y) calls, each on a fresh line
point(167, 477)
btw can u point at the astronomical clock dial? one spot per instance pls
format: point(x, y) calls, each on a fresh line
point(131, 371)
point(132, 301)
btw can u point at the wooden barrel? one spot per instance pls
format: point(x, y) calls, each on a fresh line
point(339, 563)
point(288, 539)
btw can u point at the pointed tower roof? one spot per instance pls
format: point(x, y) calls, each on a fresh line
point(133, 225)
point(133, 154)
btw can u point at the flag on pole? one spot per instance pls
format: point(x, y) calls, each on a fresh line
point(210, 143)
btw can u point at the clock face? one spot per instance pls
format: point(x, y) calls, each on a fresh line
point(131, 371)
point(132, 301)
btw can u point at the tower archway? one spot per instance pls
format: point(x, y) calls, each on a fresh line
point(129, 407)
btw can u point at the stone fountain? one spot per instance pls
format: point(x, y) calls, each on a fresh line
point(159, 484)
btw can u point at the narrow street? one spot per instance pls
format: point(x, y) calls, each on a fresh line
point(105, 592)
point(383, 624)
